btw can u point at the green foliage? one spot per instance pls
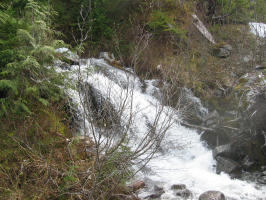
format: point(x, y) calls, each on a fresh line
point(237, 10)
point(26, 50)
point(162, 22)
point(101, 25)
point(102, 16)
point(259, 10)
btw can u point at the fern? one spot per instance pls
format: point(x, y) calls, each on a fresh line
point(58, 43)
point(44, 54)
point(3, 17)
point(34, 10)
point(43, 101)
point(21, 107)
point(32, 91)
point(8, 86)
point(25, 38)
point(30, 64)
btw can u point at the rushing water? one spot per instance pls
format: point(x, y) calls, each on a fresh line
point(183, 157)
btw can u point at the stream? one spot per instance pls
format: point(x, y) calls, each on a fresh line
point(183, 158)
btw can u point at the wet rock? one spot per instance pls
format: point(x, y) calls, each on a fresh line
point(153, 196)
point(138, 185)
point(227, 165)
point(239, 149)
point(184, 193)
point(178, 187)
point(158, 189)
point(222, 150)
point(131, 197)
point(100, 108)
point(65, 66)
point(262, 180)
point(212, 118)
point(68, 56)
point(254, 148)
point(212, 195)
point(247, 163)
point(247, 150)
point(213, 138)
point(263, 149)
point(258, 112)
point(74, 118)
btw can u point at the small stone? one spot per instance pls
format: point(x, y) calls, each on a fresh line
point(184, 193)
point(153, 196)
point(132, 197)
point(178, 187)
point(158, 189)
point(138, 185)
point(212, 195)
point(221, 53)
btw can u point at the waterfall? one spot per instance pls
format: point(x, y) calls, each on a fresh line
point(182, 158)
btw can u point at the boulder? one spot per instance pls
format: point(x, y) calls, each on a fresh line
point(227, 165)
point(227, 47)
point(212, 195)
point(222, 150)
point(262, 180)
point(235, 151)
point(258, 112)
point(254, 148)
point(184, 193)
point(100, 108)
point(158, 191)
point(178, 187)
point(213, 138)
point(247, 163)
point(223, 51)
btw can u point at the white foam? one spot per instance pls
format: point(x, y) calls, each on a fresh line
point(258, 29)
point(184, 159)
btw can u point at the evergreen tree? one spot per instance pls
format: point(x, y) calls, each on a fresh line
point(25, 52)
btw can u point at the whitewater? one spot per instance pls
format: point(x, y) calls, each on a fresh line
point(183, 158)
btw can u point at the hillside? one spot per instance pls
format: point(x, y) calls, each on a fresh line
point(93, 93)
